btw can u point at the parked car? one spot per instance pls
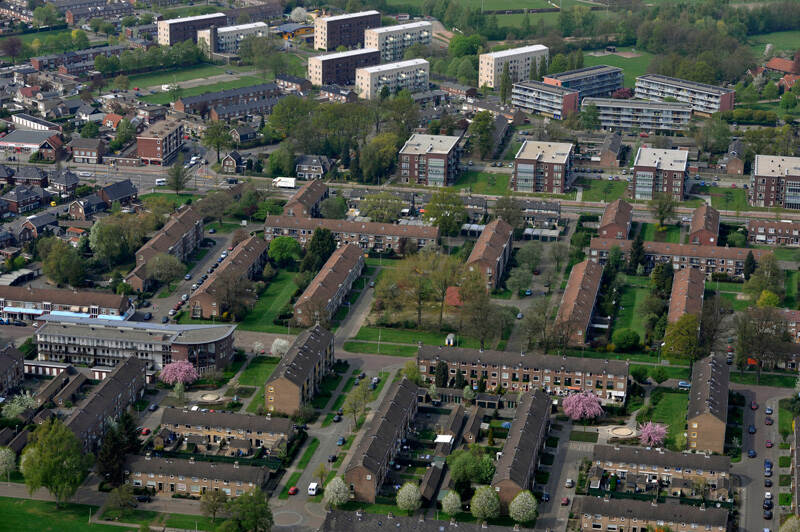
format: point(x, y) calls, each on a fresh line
point(569, 483)
point(164, 319)
point(767, 482)
point(753, 406)
point(565, 501)
point(769, 444)
point(751, 429)
point(148, 316)
point(340, 441)
point(767, 514)
point(332, 458)
point(768, 411)
point(751, 453)
point(293, 490)
point(684, 385)
point(143, 498)
point(153, 407)
point(187, 276)
point(145, 431)
point(337, 418)
point(768, 420)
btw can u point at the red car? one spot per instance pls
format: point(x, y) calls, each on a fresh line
point(145, 431)
point(753, 406)
point(769, 444)
point(293, 490)
point(565, 501)
point(768, 421)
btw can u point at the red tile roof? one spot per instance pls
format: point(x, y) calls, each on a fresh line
point(705, 217)
point(618, 212)
point(579, 298)
point(688, 286)
point(781, 65)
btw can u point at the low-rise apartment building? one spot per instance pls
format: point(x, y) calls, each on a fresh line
point(381, 441)
point(412, 75)
point(160, 143)
point(173, 31)
point(643, 115)
point(704, 230)
point(519, 61)
point(344, 30)
point(190, 477)
point(707, 414)
point(340, 68)
point(53, 61)
point(430, 159)
point(297, 377)
point(224, 427)
point(543, 167)
point(616, 220)
point(705, 99)
point(87, 151)
point(523, 372)
point(516, 468)
point(541, 98)
point(392, 41)
point(100, 343)
point(246, 261)
point(26, 303)
point(708, 259)
point(226, 40)
point(306, 201)
point(366, 235)
point(775, 182)
point(244, 110)
point(577, 304)
point(598, 81)
point(202, 103)
point(657, 171)
point(12, 369)
point(688, 287)
point(632, 515)
point(492, 252)
point(775, 233)
point(328, 290)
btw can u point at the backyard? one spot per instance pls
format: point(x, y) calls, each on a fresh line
point(669, 408)
point(629, 316)
point(602, 190)
point(256, 374)
point(269, 305)
point(670, 233)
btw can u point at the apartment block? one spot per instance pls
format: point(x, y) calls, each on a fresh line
point(226, 40)
point(632, 515)
point(201, 103)
point(591, 82)
point(708, 259)
point(233, 111)
point(516, 467)
point(190, 477)
point(644, 115)
point(704, 230)
point(770, 232)
point(707, 414)
point(541, 98)
point(616, 220)
point(340, 68)
point(344, 30)
point(519, 61)
point(430, 159)
point(775, 182)
point(12, 369)
point(296, 379)
point(328, 290)
point(543, 167)
point(705, 99)
point(173, 31)
point(492, 252)
point(657, 171)
point(412, 75)
point(26, 303)
point(577, 304)
point(99, 343)
point(688, 287)
point(381, 441)
point(392, 41)
point(53, 61)
point(160, 143)
point(523, 372)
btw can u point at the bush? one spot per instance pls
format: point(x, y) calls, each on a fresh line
point(639, 374)
point(625, 339)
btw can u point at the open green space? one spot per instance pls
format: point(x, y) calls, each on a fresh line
point(790, 285)
point(784, 417)
point(278, 293)
point(672, 372)
point(28, 38)
point(729, 199)
point(633, 67)
point(258, 371)
point(482, 4)
point(186, 73)
point(722, 286)
point(289, 483)
point(164, 98)
point(383, 376)
point(671, 410)
point(670, 233)
point(483, 183)
point(630, 317)
point(780, 41)
point(602, 190)
point(176, 199)
point(582, 435)
point(408, 336)
point(782, 253)
point(381, 349)
point(24, 515)
point(192, 522)
point(777, 381)
point(308, 453)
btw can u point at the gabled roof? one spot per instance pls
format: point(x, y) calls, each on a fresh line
point(491, 244)
point(348, 226)
point(709, 391)
point(7, 171)
point(65, 177)
point(521, 448)
point(307, 349)
point(336, 269)
point(781, 65)
point(228, 420)
point(23, 193)
point(309, 195)
point(680, 250)
point(580, 295)
point(612, 143)
point(86, 144)
point(120, 190)
point(670, 514)
point(186, 468)
point(688, 286)
point(618, 212)
point(30, 172)
point(705, 217)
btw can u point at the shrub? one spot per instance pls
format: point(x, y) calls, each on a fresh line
point(625, 339)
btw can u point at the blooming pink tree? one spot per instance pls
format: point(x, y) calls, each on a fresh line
point(181, 371)
point(652, 434)
point(583, 406)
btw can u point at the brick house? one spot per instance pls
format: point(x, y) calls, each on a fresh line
point(577, 303)
point(37, 302)
point(12, 369)
point(86, 208)
point(312, 166)
point(232, 163)
point(31, 176)
point(596, 513)
point(122, 191)
point(87, 151)
point(707, 414)
point(64, 181)
point(616, 220)
point(23, 198)
point(773, 232)
point(306, 201)
point(688, 287)
point(328, 290)
point(190, 477)
point(491, 252)
point(704, 230)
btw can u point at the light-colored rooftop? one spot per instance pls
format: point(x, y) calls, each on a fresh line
point(584, 72)
point(242, 27)
point(516, 51)
point(388, 67)
point(348, 53)
point(677, 82)
point(351, 15)
point(401, 27)
point(193, 18)
point(545, 152)
point(419, 144)
point(160, 129)
point(776, 166)
point(662, 159)
point(133, 331)
point(637, 104)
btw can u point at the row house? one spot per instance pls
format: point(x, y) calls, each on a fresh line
point(244, 109)
point(23, 198)
point(290, 84)
point(540, 213)
point(366, 235)
point(53, 61)
point(608, 379)
point(688, 287)
point(328, 290)
point(704, 229)
point(773, 233)
point(707, 412)
point(708, 259)
point(616, 220)
point(202, 103)
point(492, 252)
point(335, 94)
point(110, 12)
point(381, 441)
point(577, 304)
point(307, 200)
point(631, 515)
point(187, 477)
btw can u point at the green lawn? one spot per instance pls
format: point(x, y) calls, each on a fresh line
point(478, 4)
point(602, 190)
point(189, 522)
point(383, 376)
point(179, 74)
point(671, 233)
point(483, 183)
point(784, 417)
point(581, 435)
point(790, 299)
point(224, 227)
point(780, 41)
point(308, 453)
point(164, 98)
point(132, 515)
point(382, 349)
point(724, 287)
point(278, 293)
point(787, 254)
point(729, 199)
point(671, 410)
point(177, 199)
point(777, 381)
point(258, 371)
point(21, 515)
point(291, 482)
point(673, 372)
point(633, 67)
point(409, 336)
point(629, 315)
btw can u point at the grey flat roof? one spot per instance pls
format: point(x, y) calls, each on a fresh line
point(677, 82)
point(135, 331)
point(584, 72)
point(545, 87)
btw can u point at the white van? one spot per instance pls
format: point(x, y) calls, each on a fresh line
point(161, 182)
point(312, 488)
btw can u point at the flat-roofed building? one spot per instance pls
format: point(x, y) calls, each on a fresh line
point(226, 40)
point(657, 171)
point(708, 404)
point(519, 61)
point(541, 98)
point(616, 220)
point(543, 167)
point(430, 159)
point(598, 513)
point(344, 30)
point(688, 286)
point(577, 303)
point(200, 103)
point(598, 81)
point(189, 477)
point(29, 304)
point(339, 68)
point(492, 252)
point(775, 182)
point(327, 291)
point(704, 229)
point(705, 99)
point(771, 232)
point(160, 143)
point(412, 75)
point(173, 31)
point(392, 41)
point(643, 115)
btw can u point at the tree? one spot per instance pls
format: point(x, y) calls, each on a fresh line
point(637, 256)
point(90, 130)
point(120, 498)
point(482, 129)
point(320, 248)
point(18, 404)
point(165, 268)
point(529, 255)
point(559, 253)
point(446, 211)
point(111, 457)
point(768, 299)
point(298, 14)
point(122, 82)
point(451, 504)
point(519, 280)
point(356, 401)
point(659, 374)
point(213, 503)
point(582, 406)
point(749, 265)
point(217, 136)
point(681, 338)
point(662, 206)
point(444, 270)
point(590, 117)
point(409, 498)
point(485, 504)
point(382, 207)
point(214, 205)
point(762, 335)
point(175, 92)
point(8, 462)
point(46, 15)
point(652, 434)
point(179, 371)
point(251, 511)
point(11, 47)
point(505, 84)
point(523, 507)
point(767, 276)
point(333, 208)
point(321, 472)
point(378, 157)
point(61, 262)
point(440, 374)
point(625, 339)
point(283, 250)
point(480, 318)
point(411, 372)
point(788, 100)
point(336, 493)
point(280, 347)
point(177, 175)
point(509, 209)
point(54, 460)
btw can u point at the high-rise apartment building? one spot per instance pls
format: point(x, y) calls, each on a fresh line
point(412, 75)
point(392, 41)
point(543, 167)
point(519, 60)
point(344, 30)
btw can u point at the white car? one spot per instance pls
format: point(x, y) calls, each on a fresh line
point(569, 483)
point(768, 495)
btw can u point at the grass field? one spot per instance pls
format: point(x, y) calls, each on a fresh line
point(672, 233)
point(22, 515)
point(484, 183)
point(491, 5)
point(258, 371)
point(629, 316)
point(790, 298)
point(179, 74)
point(269, 305)
point(777, 381)
point(308, 453)
point(177, 199)
point(782, 253)
point(780, 41)
point(408, 336)
point(738, 304)
point(784, 417)
point(729, 199)
point(633, 67)
point(164, 98)
point(382, 349)
point(598, 190)
point(671, 409)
